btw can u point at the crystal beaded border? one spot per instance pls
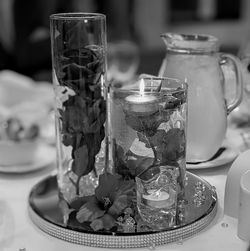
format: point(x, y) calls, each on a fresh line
point(118, 241)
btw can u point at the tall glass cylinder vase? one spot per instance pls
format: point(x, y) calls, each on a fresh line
point(148, 145)
point(78, 42)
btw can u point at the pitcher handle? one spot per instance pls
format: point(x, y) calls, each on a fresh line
point(246, 73)
point(238, 79)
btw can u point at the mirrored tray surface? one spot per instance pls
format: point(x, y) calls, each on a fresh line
point(199, 210)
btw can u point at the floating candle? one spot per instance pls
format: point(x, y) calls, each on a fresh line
point(142, 103)
point(157, 199)
point(138, 99)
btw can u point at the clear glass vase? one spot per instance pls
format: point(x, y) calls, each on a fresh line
point(148, 144)
point(78, 42)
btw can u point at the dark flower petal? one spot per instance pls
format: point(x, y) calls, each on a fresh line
point(78, 202)
point(120, 161)
point(145, 124)
point(176, 145)
point(170, 144)
point(84, 54)
point(75, 72)
point(74, 114)
point(89, 212)
point(119, 204)
point(137, 164)
point(94, 140)
point(68, 139)
point(108, 184)
point(105, 222)
point(158, 138)
point(95, 66)
point(95, 117)
point(134, 122)
point(76, 35)
point(97, 224)
point(79, 67)
point(126, 187)
point(81, 159)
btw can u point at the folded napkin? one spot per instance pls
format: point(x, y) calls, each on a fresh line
point(24, 98)
point(28, 101)
point(16, 88)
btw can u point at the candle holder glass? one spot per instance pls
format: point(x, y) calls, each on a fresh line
point(148, 144)
point(157, 196)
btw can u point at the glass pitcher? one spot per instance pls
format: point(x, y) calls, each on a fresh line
point(195, 59)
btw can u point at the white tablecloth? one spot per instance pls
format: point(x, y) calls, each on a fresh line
point(17, 230)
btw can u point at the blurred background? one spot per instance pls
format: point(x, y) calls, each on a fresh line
point(134, 43)
point(25, 42)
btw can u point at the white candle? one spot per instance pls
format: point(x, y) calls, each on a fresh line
point(141, 103)
point(157, 199)
point(138, 99)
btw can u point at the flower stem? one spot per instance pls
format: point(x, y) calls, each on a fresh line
point(77, 184)
point(154, 150)
point(155, 156)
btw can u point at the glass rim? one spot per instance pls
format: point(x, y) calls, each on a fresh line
point(161, 78)
point(190, 42)
point(203, 38)
point(77, 16)
point(182, 85)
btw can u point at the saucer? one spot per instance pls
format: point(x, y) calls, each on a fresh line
point(225, 155)
point(44, 156)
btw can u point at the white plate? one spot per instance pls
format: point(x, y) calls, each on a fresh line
point(226, 157)
point(45, 156)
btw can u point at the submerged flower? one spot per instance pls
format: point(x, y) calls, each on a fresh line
point(112, 197)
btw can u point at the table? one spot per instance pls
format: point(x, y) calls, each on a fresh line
point(17, 230)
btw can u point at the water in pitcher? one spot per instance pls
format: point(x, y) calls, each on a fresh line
point(206, 107)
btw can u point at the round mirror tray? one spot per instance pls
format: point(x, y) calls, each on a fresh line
point(198, 209)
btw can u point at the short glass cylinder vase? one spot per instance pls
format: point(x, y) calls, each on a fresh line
point(78, 42)
point(148, 144)
point(157, 196)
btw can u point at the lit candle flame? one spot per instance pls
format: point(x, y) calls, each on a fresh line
point(142, 87)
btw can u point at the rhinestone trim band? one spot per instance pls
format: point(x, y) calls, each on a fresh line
point(124, 241)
